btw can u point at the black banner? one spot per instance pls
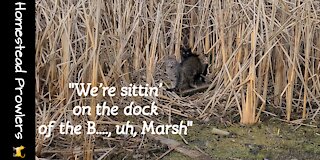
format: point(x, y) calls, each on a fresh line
point(21, 76)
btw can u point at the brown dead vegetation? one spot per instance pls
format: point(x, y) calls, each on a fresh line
point(264, 58)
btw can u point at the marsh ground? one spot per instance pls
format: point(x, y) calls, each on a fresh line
point(270, 140)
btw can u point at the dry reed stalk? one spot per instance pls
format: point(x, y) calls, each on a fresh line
point(278, 56)
point(207, 32)
point(108, 41)
point(193, 22)
point(200, 36)
point(152, 58)
point(248, 110)
point(87, 147)
point(265, 62)
point(207, 38)
point(177, 30)
point(308, 31)
point(221, 28)
point(238, 58)
point(317, 52)
point(316, 74)
point(291, 70)
point(250, 100)
point(137, 51)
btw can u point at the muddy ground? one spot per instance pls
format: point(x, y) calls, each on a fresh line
point(270, 140)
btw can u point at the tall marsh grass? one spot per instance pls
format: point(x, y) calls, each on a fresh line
point(264, 56)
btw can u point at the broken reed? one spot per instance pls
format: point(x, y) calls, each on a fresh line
point(260, 53)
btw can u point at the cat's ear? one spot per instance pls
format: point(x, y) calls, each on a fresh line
point(189, 51)
point(183, 50)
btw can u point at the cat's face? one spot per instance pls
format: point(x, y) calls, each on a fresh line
point(186, 52)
